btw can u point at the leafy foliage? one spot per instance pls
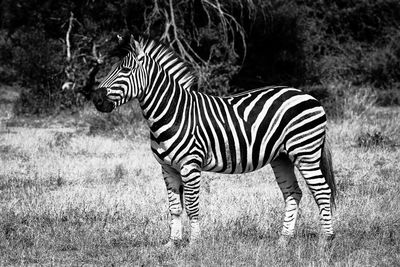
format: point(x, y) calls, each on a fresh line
point(232, 45)
point(40, 70)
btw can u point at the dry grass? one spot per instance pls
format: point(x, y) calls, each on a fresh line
point(70, 198)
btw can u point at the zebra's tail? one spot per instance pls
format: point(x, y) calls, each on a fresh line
point(327, 170)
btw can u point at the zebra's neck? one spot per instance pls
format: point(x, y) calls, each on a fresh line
point(167, 91)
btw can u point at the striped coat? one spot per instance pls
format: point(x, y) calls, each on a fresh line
point(192, 132)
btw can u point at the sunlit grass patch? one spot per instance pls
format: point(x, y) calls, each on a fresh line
point(78, 218)
point(67, 197)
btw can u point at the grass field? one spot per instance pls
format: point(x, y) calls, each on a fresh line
point(72, 197)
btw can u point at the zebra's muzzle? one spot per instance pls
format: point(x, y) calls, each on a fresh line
point(100, 100)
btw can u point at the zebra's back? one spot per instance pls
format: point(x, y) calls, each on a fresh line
point(244, 132)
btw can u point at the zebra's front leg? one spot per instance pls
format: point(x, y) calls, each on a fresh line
point(174, 186)
point(284, 173)
point(190, 174)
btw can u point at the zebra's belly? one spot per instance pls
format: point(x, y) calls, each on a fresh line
point(228, 162)
point(235, 161)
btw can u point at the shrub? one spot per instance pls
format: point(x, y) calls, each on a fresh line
point(7, 73)
point(276, 46)
point(355, 41)
point(388, 97)
point(233, 45)
point(343, 100)
point(119, 173)
point(331, 99)
point(375, 139)
point(39, 65)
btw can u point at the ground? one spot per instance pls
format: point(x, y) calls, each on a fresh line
point(70, 196)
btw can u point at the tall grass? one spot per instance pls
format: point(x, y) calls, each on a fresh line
point(76, 197)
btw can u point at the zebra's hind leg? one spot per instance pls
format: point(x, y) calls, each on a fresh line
point(312, 173)
point(174, 186)
point(284, 173)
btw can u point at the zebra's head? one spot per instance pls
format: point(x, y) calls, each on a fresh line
point(125, 81)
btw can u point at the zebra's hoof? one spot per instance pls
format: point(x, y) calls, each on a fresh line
point(325, 241)
point(193, 243)
point(172, 244)
point(284, 241)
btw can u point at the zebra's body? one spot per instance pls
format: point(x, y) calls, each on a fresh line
point(192, 132)
point(230, 135)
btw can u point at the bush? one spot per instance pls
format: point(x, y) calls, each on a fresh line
point(388, 97)
point(381, 67)
point(7, 73)
point(330, 98)
point(276, 46)
point(40, 68)
point(375, 139)
point(233, 45)
point(343, 100)
point(355, 41)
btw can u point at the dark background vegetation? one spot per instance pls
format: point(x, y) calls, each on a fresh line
point(232, 45)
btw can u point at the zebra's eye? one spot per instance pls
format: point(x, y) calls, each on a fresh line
point(125, 69)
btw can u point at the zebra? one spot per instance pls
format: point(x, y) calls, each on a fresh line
point(191, 132)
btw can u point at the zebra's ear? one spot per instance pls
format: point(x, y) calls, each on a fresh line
point(138, 48)
point(137, 45)
point(119, 39)
point(123, 40)
point(122, 47)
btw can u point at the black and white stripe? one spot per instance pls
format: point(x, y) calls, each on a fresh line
point(193, 132)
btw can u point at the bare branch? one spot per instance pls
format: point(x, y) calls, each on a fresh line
point(67, 36)
point(93, 59)
point(69, 69)
point(97, 56)
point(229, 24)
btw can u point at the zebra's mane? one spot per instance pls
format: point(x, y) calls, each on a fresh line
point(169, 61)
